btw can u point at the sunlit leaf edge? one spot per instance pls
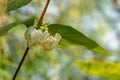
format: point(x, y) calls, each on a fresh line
point(107, 70)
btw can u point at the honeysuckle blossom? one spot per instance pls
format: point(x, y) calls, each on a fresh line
point(43, 39)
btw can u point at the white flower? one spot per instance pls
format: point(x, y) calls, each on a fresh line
point(51, 42)
point(43, 39)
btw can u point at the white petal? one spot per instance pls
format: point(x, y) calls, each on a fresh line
point(58, 37)
point(28, 33)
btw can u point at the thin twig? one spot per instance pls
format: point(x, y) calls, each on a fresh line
point(20, 64)
point(42, 15)
point(27, 49)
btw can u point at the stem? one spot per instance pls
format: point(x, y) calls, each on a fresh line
point(20, 64)
point(42, 15)
point(27, 49)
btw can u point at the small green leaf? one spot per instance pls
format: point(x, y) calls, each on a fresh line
point(73, 36)
point(27, 22)
point(15, 4)
point(109, 71)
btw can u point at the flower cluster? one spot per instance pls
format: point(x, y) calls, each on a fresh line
point(43, 39)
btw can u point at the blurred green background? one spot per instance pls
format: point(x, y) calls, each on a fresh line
point(98, 19)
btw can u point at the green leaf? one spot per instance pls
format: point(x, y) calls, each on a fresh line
point(73, 36)
point(109, 71)
point(15, 4)
point(27, 22)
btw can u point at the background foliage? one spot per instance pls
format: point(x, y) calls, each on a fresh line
point(97, 19)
